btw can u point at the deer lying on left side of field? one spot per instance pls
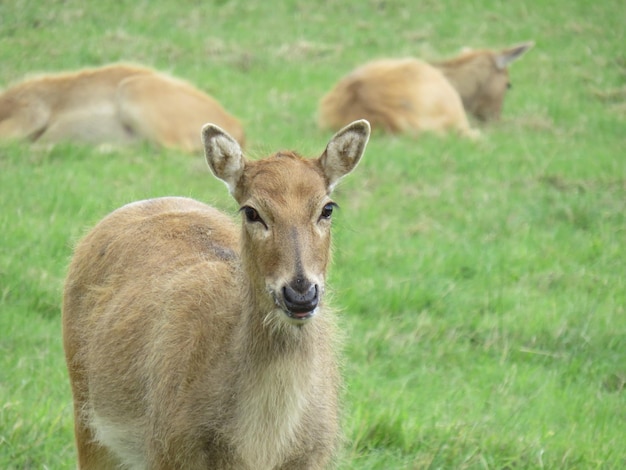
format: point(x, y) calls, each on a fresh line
point(192, 344)
point(413, 96)
point(115, 104)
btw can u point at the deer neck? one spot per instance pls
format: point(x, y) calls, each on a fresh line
point(453, 71)
point(275, 375)
point(465, 74)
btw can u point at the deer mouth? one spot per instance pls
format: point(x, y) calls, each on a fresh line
point(298, 304)
point(300, 316)
point(301, 298)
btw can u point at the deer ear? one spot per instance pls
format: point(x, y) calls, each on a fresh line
point(344, 151)
point(506, 56)
point(223, 154)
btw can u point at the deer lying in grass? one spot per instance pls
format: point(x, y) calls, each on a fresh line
point(114, 104)
point(412, 96)
point(192, 344)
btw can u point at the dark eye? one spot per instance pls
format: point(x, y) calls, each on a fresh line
point(327, 211)
point(509, 85)
point(252, 215)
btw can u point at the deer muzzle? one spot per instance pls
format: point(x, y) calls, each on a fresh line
point(301, 298)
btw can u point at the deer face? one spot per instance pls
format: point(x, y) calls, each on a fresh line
point(488, 104)
point(496, 83)
point(286, 215)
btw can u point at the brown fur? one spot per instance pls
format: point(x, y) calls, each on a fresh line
point(482, 78)
point(181, 332)
point(114, 104)
point(412, 96)
point(396, 95)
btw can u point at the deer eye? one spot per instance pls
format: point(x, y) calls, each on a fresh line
point(509, 85)
point(327, 211)
point(252, 215)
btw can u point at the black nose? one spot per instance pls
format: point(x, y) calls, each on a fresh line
point(301, 296)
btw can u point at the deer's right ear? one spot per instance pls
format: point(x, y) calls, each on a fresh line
point(223, 154)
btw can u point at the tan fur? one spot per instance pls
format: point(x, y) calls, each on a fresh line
point(114, 104)
point(192, 344)
point(397, 96)
point(482, 78)
point(412, 96)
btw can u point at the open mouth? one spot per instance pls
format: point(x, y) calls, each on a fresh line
point(301, 316)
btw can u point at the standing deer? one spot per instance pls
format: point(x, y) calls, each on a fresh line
point(114, 104)
point(192, 344)
point(413, 96)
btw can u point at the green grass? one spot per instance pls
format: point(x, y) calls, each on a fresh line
point(482, 284)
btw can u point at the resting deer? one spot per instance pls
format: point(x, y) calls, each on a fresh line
point(411, 96)
point(396, 96)
point(192, 344)
point(115, 104)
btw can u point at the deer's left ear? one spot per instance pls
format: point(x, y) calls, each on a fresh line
point(344, 151)
point(510, 54)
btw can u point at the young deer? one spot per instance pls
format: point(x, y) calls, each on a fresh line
point(412, 96)
point(114, 104)
point(396, 96)
point(192, 344)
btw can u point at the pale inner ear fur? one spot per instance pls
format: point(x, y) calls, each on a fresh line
point(344, 151)
point(511, 54)
point(223, 154)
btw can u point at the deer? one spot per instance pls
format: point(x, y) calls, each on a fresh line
point(111, 106)
point(192, 343)
point(409, 95)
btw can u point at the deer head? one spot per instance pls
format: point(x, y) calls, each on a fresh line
point(286, 206)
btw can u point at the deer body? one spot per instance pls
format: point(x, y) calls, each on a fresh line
point(113, 104)
point(396, 96)
point(194, 344)
point(412, 96)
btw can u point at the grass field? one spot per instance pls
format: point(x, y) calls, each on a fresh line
point(482, 284)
